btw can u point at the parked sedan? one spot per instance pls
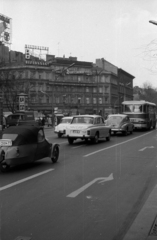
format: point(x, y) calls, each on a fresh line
point(87, 127)
point(60, 129)
point(119, 123)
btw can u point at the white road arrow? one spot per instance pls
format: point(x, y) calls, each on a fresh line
point(142, 149)
point(101, 179)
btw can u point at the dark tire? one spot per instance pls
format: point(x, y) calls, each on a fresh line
point(108, 138)
point(125, 133)
point(55, 154)
point(96, 138)
point(86, 140)
point(70, 140)
point(4, 167)
point(59, 135)
point(131, 131)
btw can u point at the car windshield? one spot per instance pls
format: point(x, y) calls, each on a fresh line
point(133, 108)
point(66, 120)
point(114, 119)
point(10, 136)
point(82, 120)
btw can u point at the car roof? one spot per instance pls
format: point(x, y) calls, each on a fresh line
point(120, 115)
point(24, 132)
point(70, 117)
point(87, 115)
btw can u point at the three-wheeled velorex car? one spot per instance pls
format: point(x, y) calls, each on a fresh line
point(25, 144)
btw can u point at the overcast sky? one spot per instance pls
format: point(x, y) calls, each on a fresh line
point(116, 30)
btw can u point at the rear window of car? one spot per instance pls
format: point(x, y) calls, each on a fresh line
point(9, 136)
point(82, 120)
point(114, 119)
point(66, 121)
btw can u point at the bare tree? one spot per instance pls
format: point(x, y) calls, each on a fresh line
point(148, 93)
point(11, 87)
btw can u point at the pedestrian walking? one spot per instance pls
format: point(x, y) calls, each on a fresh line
point(43, 121)
point(4, 123)
point(49, 121)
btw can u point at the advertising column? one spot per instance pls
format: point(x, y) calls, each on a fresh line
point(22, 102)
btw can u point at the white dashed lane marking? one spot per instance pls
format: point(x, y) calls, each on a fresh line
point(24, 180)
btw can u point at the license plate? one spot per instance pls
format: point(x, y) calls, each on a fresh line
point(5, 142)
point(76, 131)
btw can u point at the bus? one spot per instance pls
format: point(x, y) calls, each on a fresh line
point(142, 113)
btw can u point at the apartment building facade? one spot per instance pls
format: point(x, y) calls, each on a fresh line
point(66, 84)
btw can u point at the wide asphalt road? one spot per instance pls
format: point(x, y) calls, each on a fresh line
point(94, 191)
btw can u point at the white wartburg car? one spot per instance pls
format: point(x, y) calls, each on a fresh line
point(60, 129)
point(87, 127)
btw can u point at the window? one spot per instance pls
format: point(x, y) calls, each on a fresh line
point(100, 89)
point(101, 120)
point(79, 100)
point(94, 100)
point(87, 89)
point(106, 99)
point(57, 99)
point(26, 74)
point(94, 90)
point(100, 100)
point(133, 108)
point(79, 79)
point(47, 99)
point(87, 100)
point(102, 79)
point(106, 89)
point(40, 136)
point(97, 121)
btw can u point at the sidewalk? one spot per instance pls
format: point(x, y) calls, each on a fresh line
point(145, 225)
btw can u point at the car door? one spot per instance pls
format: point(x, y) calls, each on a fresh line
point(130, 124)
point(99, 126)
point(102, 127)
point(42, 146)
point(127, 123)
point(105, 129)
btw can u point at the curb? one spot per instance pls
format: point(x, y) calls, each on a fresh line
point(141, 229)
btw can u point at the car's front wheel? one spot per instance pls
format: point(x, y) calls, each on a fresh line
point(96, 138)
point(4, 167)
point(108, 137)
point(59, 135)
point(55, 154)
point(125, 132)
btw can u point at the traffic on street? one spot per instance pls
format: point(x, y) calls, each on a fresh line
point(94, 191)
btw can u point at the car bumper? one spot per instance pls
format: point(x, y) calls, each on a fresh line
point(117, 130)
point(139, 125)
point(82, 136)
point(60, 131)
